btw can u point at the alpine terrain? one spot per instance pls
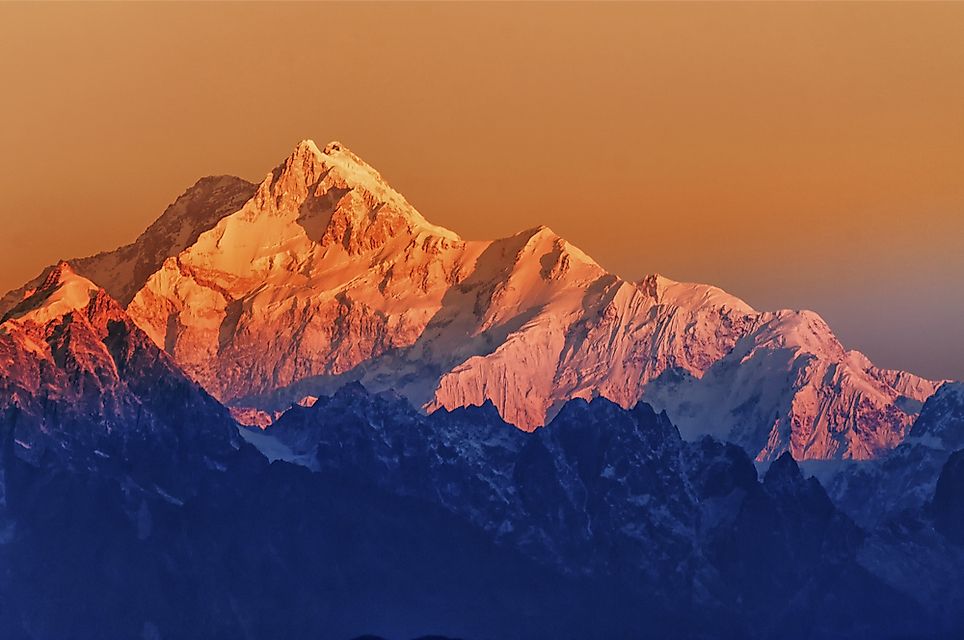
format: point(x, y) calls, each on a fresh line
point(322, 274)
point(290, 410)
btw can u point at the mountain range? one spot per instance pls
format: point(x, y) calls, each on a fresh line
point(299, 409)
point(81, 386)
point(274, 294)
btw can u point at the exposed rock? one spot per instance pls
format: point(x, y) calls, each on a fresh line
point(324, 274)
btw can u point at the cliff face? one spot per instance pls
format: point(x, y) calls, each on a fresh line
point(82, 387)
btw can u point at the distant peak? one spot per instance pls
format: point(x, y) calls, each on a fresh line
point(58, 273)
point(783, 470)
point(307, 147)
point(219, 179)
point(541, 238)
point(579, 409)
point(337, 159)
point(310, 170)
point(310, 145)
point(63, 290)
point(353, 389)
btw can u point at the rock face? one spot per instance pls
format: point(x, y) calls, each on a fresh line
point(323, 274)
point(904, 479)
point(119, 471)
point(81, 386)
point(448, 523)
point(125, 270)
point(685, 529)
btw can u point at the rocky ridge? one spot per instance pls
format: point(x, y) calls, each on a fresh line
point(324, 274)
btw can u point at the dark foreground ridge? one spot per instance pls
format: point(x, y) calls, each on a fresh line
point(605, 523)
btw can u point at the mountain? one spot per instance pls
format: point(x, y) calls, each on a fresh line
point(449, 523)
point(130, 507)
point(949, 498)
point(681, 532)
point(125, 270)
point(904, 479)
point(120, 472)
point(81, 386)
point(323, 274)
point(941, 421)
point(133, 505)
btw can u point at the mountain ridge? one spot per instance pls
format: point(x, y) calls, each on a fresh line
point(325, 274)
point(82, 387)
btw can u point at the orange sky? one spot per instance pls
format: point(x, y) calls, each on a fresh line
point(799, 155)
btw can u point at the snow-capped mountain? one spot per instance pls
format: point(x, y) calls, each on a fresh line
point(324, 274)
point(123, 271)
point(119, 471)
point(453, 522)
point(81, 386)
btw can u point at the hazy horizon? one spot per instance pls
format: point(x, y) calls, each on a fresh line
point(796, 155)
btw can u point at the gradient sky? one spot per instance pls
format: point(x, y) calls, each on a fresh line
point(798, 155)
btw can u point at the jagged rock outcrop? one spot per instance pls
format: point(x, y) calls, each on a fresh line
point(82, 387)
point(123, 271)
point(607, 493)
point(904, 479)
point(324, 274)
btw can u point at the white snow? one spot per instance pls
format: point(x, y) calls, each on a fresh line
point(273, 449)
point(327, 270)
point(64, 291)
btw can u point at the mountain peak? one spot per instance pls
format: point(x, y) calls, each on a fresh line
point(59, 273)
point(310, 146)
point(783, 472)
point(335, 180)
point(337, 162)
point(63, 290)
point(326, 254)
point(654, 284)
point(689, 294)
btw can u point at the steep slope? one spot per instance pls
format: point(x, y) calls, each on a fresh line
point(789, 385)
point(123, 271)
point(324, 255)
point(614, 495)
point(327, 275)
point(941, 421)
point(82, 387)
point(920, 549)
point(904, 479)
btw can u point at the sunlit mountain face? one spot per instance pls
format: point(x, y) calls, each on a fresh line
point(299, 408)
point(323, 274)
